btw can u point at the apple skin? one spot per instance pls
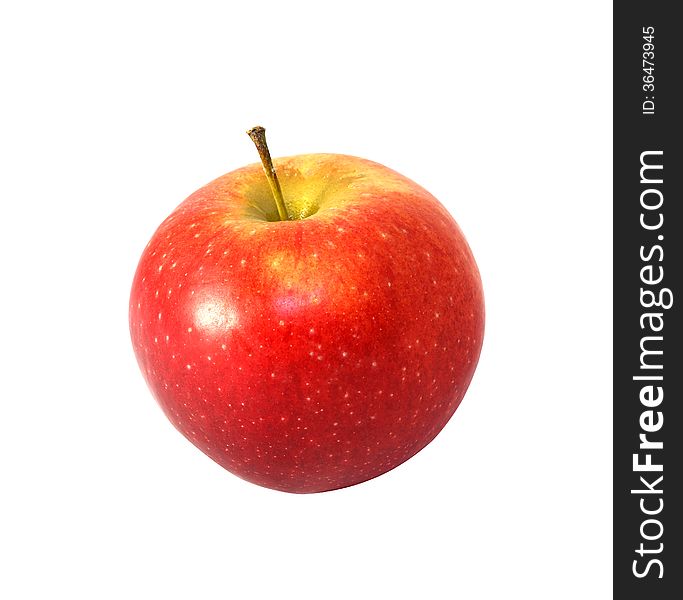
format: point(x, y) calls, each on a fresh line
point(316, 353)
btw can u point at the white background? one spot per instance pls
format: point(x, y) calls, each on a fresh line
point(112, 113)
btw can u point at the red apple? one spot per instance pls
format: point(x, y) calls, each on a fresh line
point(315, 352)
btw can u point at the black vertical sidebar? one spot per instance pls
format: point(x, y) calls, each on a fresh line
point(648, 301)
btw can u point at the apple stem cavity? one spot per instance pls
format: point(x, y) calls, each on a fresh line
point(258, 136)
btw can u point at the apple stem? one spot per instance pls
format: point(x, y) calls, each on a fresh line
point(258, 136)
